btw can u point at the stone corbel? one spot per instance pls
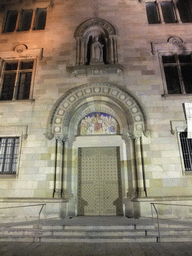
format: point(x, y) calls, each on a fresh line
point(49, 135)
point(147, 133)
point(178, 126)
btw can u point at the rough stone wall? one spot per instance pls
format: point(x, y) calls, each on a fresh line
point(141, 77)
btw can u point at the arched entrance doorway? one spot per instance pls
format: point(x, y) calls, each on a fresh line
point(100, 167)
point(99, 175)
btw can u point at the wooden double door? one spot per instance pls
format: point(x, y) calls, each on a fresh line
point(99, 181)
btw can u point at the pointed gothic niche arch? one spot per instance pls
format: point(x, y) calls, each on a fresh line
point(96, 43)
point(70, 109)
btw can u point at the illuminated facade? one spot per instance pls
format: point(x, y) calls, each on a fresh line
point(91, 105)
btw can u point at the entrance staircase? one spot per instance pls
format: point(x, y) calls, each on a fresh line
point(96, 230)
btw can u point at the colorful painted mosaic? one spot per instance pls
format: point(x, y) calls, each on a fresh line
point(98, 123)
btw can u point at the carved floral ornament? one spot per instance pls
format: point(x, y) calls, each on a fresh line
point(63, 110)
point(173, 44)
point(22, 51)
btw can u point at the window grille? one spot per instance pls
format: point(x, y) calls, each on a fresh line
point(9, 150)
point(178, 73)
point(17, 77)
point(169, 11)
point(186, 146)
point(25, 20)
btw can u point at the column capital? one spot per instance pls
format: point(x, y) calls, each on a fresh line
point(137, 135)
point(61, 138)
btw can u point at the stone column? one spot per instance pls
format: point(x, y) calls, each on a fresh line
point(63, 174)
point(115, 50)
point(77, 51)
point(58, 157)
point(82, 51)
point(138, 166)
point(111, 50)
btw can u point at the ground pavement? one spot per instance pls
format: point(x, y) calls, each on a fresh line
point(100, 249)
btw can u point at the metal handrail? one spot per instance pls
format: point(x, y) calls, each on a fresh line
point(22, 206)
point(152, 204)
point(156, 210)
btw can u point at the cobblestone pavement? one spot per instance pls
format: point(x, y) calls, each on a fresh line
point(89, 249)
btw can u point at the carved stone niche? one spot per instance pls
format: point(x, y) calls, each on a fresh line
point(96, 49)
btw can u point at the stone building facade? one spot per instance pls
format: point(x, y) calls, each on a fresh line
point(91, 105)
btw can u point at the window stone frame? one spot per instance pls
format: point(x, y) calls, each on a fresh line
point(173, 45)
point(20, 131)
point(25, 5)
point(22, 53)
point(178, 126)
point(161, 18)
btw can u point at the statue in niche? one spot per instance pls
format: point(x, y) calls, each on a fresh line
point(96, 51)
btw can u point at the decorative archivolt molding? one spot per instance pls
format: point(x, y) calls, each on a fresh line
point(100, 23)
point(63, 110)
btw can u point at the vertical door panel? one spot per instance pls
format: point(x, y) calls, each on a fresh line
point(99, 182)
point(88, 182)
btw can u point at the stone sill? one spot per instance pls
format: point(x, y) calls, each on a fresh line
point(171, 24)
point(17, 101)
point(176, 95)
point(96, 69)
point(187, 172)
point(8, 176)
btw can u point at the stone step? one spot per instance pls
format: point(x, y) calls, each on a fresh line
point(58, 232)
point(76, 232)
point(73, 233)
point(76, 239)
point(64, 227)
point(175, 226)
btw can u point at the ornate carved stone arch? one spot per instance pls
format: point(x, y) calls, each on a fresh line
point(83, 27)
point(84, 34)
point(110, 97)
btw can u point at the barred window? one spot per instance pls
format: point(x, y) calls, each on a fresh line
point(178, 73)
point(169, 11)
point(186, 146)
point(16, 80)
point(9, 150)
point(25, 20)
